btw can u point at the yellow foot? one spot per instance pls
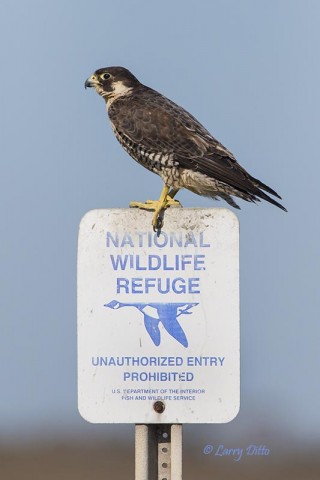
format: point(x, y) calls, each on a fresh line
point(158, 206)
point(147, 205)
point(155, 204)
point(171, 202)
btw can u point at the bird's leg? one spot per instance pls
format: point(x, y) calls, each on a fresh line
point(166, 200)
point(171, 196)
point(157, 219)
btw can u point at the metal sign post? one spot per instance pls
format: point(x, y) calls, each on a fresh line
point(158, 326)
point(158, 452)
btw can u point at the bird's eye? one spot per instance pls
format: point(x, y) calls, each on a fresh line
point(105, 76)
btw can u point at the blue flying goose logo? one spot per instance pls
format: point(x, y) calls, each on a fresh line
point(165, 313)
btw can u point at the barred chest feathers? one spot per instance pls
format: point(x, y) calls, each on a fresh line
point(161, 163)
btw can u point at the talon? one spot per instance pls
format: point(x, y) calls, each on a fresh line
point(166, 200)
point(157, 225)
point(157, 221)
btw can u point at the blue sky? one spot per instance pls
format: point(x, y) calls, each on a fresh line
point(249, 71)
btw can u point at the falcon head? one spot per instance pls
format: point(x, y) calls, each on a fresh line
point(112, 82)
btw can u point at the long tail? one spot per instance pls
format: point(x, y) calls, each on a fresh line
point(262, 186)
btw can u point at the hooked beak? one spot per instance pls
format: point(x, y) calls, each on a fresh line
point(91, 82)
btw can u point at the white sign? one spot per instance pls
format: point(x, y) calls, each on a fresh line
point(158, 317)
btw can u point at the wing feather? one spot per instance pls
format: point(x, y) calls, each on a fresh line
point(158, 125)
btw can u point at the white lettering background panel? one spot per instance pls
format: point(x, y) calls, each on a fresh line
point(158, 317)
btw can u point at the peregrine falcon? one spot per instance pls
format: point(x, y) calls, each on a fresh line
point(169, 141)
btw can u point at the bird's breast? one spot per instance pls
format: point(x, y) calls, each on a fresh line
point(154, 161)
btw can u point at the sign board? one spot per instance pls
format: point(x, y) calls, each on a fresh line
point(158, 317)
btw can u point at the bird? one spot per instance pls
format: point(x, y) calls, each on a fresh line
point(169, 141)
point(165, 313)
